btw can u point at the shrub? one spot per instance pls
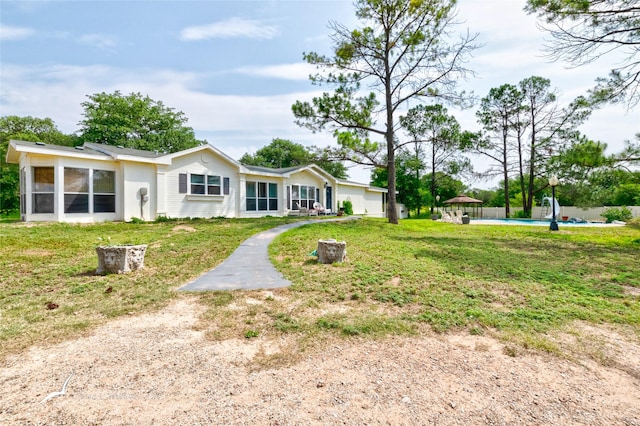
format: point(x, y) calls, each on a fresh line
point(617, 213)
point(521, 214)
point(348, 207)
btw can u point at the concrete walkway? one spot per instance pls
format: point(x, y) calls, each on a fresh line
point(249, 267)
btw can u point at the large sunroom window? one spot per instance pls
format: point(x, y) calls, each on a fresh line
point(262, 196)
point(302, 196)
point(76, 190)
point(84, 190)
point(104, 191)
point(43, 190)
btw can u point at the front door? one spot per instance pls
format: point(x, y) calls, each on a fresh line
point(329, 199)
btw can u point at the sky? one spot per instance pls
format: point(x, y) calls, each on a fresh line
point(235, 67)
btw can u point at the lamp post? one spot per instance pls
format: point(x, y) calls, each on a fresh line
point(553, 182)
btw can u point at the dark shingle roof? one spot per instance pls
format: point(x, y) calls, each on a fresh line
point(89, 149)
point(120, 150)
point(273, 170)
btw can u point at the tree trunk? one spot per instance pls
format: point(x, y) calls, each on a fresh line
point(392, 211)
point(505, 171)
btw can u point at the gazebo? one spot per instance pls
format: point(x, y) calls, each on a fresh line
point(463, 202)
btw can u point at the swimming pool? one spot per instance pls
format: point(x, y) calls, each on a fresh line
point(534, 222)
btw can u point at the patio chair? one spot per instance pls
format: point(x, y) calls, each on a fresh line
point(298, 211)
point(446, 217)
point(319, 208)
point(458, 217)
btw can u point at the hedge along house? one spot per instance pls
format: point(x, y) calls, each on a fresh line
point(96, 182)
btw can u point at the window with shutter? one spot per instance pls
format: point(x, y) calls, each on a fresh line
point(182, 183)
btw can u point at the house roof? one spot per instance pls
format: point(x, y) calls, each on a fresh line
point(316, 169)
point(120, 151)
point(273, 170)
point(103, 152)
point(94, 151)
point(16, 147)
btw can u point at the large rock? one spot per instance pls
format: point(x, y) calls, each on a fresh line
point(330, 251)
point(120, 259)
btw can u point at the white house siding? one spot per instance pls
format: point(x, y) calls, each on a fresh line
point(188, 205)
point(139, 176)
point(365, 201)
point(355, 194)
point(373, 203)
point(148, 185)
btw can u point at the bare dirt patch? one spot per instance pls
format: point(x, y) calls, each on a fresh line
point(633, 291)
point(159, 369)
point(185, 228)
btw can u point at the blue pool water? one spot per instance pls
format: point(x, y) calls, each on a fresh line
point(531, 222)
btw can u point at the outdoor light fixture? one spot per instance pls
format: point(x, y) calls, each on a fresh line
point(553, 182)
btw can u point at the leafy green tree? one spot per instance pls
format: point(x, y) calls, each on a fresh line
point(498, 112)
point(627, 194)
point(135, 121)
point(27, 129)
point(523, 126)
point(549, 128)
point(575, 165)
point(583, 31)
point(448, 186)
point(438, 141)
point(411, 192)
point(589, 176)
point(488, 197)
point(281, 153)
point(630, 154)
point(403, 51)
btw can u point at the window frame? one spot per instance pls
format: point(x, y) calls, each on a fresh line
point(261, 196)
point(37, 192)
point(211, 185)
point(79, 193)
point(297, 200)
point(76, 191)
point(96, 195)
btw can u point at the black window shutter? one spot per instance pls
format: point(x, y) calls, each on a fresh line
point(182, 183)
point(225, 184)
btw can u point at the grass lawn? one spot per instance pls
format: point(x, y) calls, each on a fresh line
point(517, 283)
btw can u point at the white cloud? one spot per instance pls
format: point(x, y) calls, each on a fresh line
point(15, 33)
point(241, 122)
point(231, 28)
point(298, 71)
point(100, 41)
